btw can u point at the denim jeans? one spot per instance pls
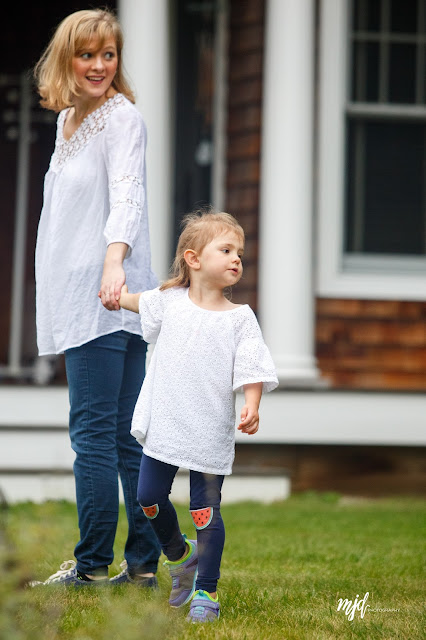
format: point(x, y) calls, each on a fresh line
point(104, 379)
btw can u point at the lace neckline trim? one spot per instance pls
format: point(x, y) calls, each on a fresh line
point(91, 126)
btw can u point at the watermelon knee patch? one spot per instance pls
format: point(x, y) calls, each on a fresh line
point(151, 512)
point(202, 517)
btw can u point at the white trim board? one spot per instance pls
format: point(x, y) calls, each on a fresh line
point(44, 486)
point(287, 417)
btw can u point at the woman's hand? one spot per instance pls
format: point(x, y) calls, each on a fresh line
point(114, 276)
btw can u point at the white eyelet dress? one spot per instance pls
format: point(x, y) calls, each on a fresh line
point(94, 195)
point(185, 413)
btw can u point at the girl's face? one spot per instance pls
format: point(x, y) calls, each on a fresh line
point(220, 260)
point(95, 67)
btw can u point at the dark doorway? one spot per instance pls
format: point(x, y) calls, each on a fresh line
point(25, 33)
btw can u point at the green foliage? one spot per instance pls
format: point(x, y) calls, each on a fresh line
point(284, 568)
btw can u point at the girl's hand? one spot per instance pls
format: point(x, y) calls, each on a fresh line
point(249, 420)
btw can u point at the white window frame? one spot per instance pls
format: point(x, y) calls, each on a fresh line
point(338, 274)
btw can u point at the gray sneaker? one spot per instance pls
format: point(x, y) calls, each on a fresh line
point(203, 608)
point(184, 575)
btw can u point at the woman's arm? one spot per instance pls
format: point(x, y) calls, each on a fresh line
point(113, 276)
point(129, 301)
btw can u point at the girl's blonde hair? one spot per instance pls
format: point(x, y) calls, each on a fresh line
point(199, 229)
point(53, 72)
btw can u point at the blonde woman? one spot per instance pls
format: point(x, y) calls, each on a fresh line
point(92, 237)
point(207, 348)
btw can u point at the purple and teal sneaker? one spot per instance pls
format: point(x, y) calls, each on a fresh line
point(204, 608)
point(183, 574)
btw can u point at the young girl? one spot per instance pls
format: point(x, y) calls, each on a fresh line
point(207, 348)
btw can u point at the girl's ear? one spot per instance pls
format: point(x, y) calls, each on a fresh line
point(191, 259)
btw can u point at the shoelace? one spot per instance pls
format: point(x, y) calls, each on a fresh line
point(67, 568)
point(123, 565)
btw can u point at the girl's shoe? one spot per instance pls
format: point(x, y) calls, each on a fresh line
point(126, 577)
point(68, 576)
point(184, 574)
point(204, 608)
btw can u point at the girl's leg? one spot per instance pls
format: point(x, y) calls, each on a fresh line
point(155, 483)
point(205, 511)
point(94, 373)
point(142, 548)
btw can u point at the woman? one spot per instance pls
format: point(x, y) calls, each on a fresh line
point(92, 237)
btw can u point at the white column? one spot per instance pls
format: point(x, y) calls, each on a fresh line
point(147, 61)
point(285, 288)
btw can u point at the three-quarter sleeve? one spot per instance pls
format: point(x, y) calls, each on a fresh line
point(125, 158)
point(253, 361)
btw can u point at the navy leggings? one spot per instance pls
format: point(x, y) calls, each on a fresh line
point(155, 483)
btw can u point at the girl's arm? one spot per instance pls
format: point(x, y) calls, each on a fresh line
point(129, 301)
point(250, 412)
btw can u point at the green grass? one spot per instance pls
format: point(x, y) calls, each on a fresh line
point(284, 568)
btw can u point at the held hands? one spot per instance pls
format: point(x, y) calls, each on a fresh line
point(249, 420)
point(113, 278)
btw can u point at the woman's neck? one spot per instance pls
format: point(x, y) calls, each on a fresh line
point(85, 106)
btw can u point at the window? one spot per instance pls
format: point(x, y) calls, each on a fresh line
point(386, 129)
point(372, 166)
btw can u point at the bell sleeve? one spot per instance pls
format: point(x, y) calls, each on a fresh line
point(125, 163)
point(253, 361)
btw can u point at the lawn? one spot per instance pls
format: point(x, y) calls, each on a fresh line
point(285, 566)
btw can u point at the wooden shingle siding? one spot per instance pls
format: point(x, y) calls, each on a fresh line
point(352, 470)
point(365, 344)
point(245, 61)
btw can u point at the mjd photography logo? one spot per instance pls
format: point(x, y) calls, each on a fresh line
point(349, 607)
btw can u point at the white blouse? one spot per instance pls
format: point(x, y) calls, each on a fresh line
point(185, 413)
point(94, 194)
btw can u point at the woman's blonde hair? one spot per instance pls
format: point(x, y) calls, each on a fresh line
point(53, 72)
point(199, 229)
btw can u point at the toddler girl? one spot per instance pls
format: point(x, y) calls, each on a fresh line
point(207, 348)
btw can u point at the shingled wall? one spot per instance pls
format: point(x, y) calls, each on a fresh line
point(246, 24)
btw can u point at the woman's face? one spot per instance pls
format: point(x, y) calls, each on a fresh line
point(94, 68)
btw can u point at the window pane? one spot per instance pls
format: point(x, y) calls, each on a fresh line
point(404, 16)
point(365, 78)
point(402, 73)
point(385, 195)
point(367, 15)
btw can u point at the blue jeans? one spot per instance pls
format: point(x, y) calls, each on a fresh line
point(104, 379)
point(155, 483)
